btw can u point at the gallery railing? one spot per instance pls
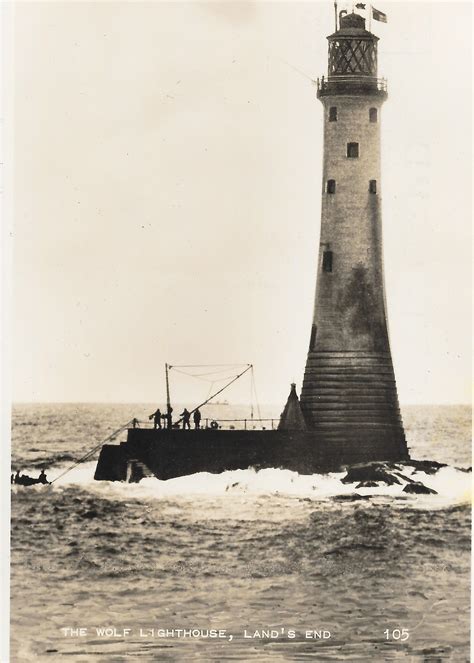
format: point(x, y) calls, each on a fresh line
point(331, 83)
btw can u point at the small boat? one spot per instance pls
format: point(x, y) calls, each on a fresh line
point(26, 480)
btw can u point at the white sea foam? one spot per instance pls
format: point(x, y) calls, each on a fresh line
point(451, 485)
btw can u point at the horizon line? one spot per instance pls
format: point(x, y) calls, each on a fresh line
point(79, 402)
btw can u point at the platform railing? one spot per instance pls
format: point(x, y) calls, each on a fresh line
point(210, 423)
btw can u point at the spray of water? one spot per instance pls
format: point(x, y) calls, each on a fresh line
point(452, 485)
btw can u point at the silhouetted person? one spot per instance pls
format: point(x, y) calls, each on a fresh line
point(169, 417)
point(156, 416)
point(197, 419)
point(42, 477)
point(135, 422)
point(186, 418)
point(17, 477)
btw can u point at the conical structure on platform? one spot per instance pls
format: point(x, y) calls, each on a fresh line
point(292, 417)
point(349, 391)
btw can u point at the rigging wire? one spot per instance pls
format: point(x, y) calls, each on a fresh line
point(200, 375)
point(205, 365)
point(204, 379)
point(249, 366)
point(210, 389)
point(255, 392)
point(94, 449)
point(251, 395)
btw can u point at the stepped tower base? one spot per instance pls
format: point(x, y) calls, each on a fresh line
point(349, 396)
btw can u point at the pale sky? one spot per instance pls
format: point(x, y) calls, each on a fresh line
point(167, 195)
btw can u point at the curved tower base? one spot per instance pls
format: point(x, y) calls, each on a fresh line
point(351, 397)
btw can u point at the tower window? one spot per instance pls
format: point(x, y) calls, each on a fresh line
point(373, 114)
point(327, 261)
point(333, 114)
point(353, 150)
point(331, 186)
point(373, 186)
point(314, 331)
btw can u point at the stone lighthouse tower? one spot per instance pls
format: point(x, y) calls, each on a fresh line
point(349, 392)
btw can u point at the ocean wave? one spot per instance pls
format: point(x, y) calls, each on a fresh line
point(449, 485)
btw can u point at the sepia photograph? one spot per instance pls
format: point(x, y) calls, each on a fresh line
point(236, 314)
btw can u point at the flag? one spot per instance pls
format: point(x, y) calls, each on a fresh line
point(379, 16)
point(360, 5)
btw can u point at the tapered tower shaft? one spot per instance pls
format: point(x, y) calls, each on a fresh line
point(349, 389)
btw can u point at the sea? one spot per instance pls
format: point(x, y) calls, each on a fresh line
point(243, 566)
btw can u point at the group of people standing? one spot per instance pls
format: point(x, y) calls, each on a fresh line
point(168, 418)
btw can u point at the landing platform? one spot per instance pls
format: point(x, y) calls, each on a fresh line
point(166, 454)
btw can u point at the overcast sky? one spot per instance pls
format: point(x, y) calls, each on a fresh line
point(167, 194)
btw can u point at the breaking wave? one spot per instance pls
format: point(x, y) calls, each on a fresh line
point(450, 485)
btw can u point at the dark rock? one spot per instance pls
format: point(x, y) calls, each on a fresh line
point(370, 472)
point(350, 498)
point(404, 477)
point(419, 488)
point(426, 466)
point(92, 513)
point(367, 484)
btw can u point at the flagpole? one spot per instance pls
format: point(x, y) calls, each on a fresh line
point(370, 18)
point(335, 13)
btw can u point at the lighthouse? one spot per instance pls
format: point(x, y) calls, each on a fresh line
point(349, 394)
point(348, 413)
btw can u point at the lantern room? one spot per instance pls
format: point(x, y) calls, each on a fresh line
point(352, 49)
point(352, 60)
